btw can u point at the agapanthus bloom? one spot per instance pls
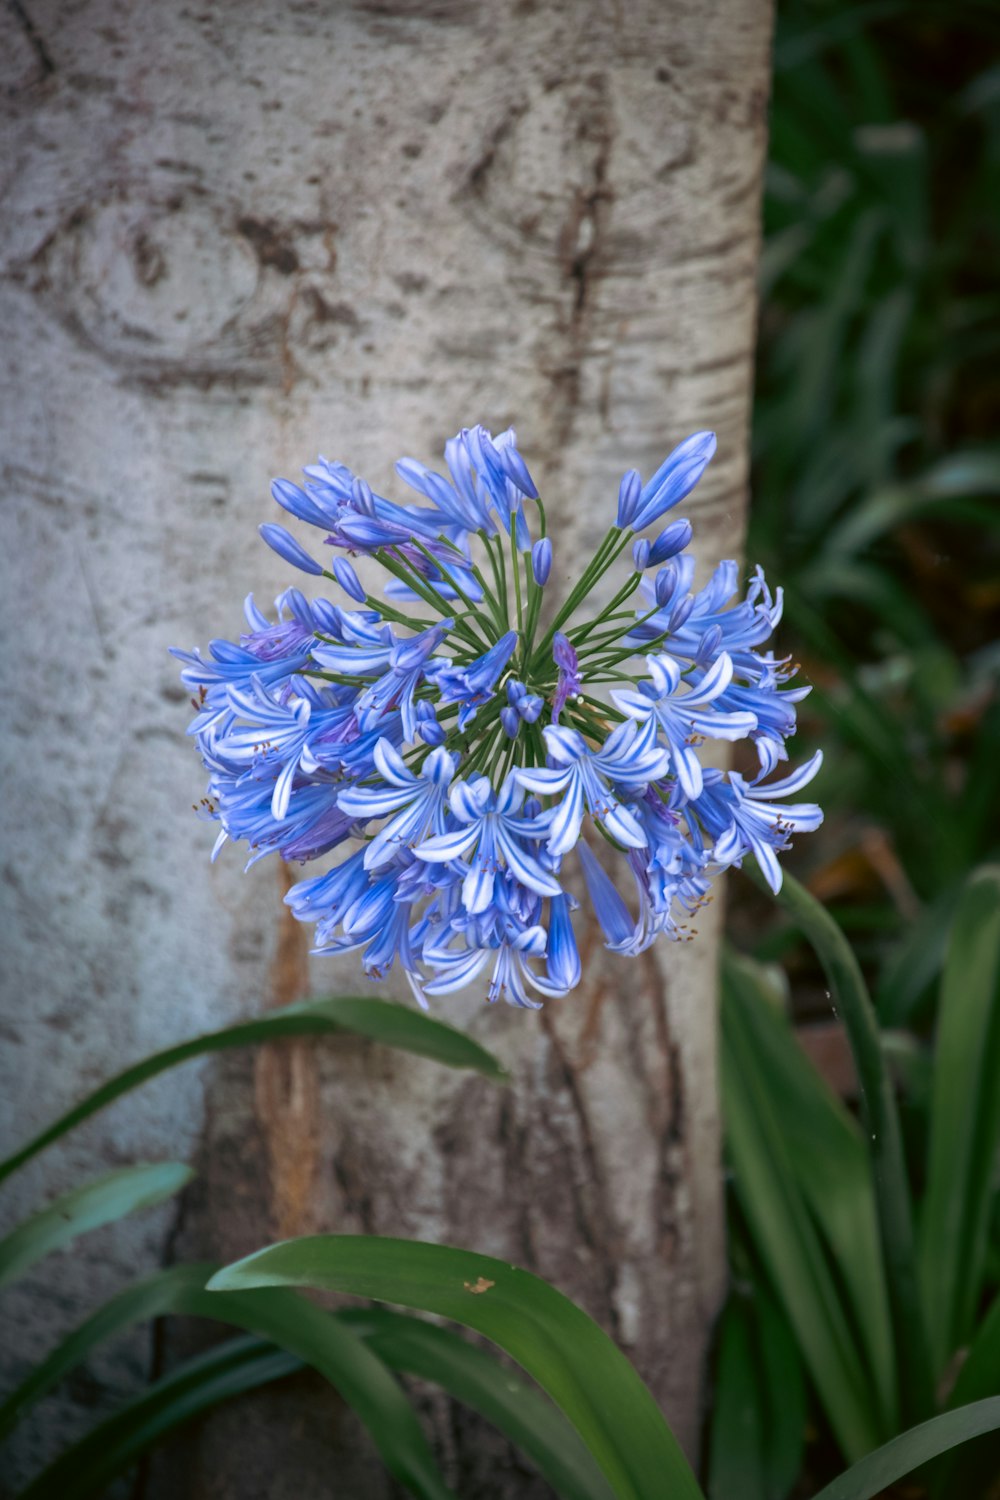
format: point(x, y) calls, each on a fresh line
point(463, 745)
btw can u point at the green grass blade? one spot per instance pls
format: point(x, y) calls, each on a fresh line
point(86, 1469)
point(475, 1378)
point(965, 1119)
point(873, 1474)
point(401, 1342)
point(781, 1372)
point(789, 1246)
point(881, 1122)
point(915, 961)
point(831, 1165)
point(980, 1372)
point(380, 1020)
point(286, 1319)
point(552, 1339)
point(736, 1461)
point(101, 1202)
point(164, 1292)
point(968, 1472)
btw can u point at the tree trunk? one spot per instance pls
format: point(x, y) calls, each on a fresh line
point(235, 236)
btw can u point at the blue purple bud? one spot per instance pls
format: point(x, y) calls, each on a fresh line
point(541, 561)
point(282, 542)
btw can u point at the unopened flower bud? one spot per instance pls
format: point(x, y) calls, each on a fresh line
point(282, 542)
point(628, 497)
point(541, 561)
point(348, 579)
point(673, 539)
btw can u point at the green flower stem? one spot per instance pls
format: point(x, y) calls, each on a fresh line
point(498, 583)
point(535, 744)
point(491, 599)
point(502, 562)
point(613, 544)
point(470, 607)
point(602, 642)
point(881, 1122)
point(396, 616)
point(515, 568)
point(629, 587)
point(531, 624)
point(605, 708)
point(645, 649)
point(397, 565)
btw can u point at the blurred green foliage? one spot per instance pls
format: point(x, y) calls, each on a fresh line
point(876, 503)
point(876, 497)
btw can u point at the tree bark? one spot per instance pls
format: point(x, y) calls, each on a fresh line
point(235, 236)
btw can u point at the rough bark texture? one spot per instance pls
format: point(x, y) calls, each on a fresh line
point(235, 235)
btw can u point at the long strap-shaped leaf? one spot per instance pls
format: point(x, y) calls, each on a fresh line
point(175, 1290)
point(86, 1469)
point(829, 1160)
point(380, 1020)
point(549, 1336)
point(881, 1120)
point(401, 1342)
point(789, 1245)
point(517, 1409)
point(297, 1326)
point(965, 1119)
point(88, 1207)
point(872, 1474)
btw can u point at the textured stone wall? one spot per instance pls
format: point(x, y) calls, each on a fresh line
point(234, 235)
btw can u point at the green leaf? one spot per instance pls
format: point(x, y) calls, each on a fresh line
point(980, 1372)
point(88, 1467)
point(781, 1373)
point(969, 1471)
point(903, 1454)
point(551, 1338)
point(881, 1122)
point(101, 1202)
point(914, 961)
point(380, 1020)
point(174, 1290)
point(736, 1465)
point(831, 1166)
point(789, 1246)
point(965, 1119)
point(286, 1319)
point(475, 1378)
point(401, 1342)
point(762, 1382)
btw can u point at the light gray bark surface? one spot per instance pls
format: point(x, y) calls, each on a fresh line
point(234, 236)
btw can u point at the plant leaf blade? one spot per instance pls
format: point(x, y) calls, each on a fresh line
point(875, 1472)
point(379, 1020)
point(594, 1384)
point(100, 1202)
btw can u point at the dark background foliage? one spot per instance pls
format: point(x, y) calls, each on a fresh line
point(876, 502)
point(876, 494)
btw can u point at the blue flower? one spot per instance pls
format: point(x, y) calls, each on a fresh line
point(489, 838)
point(745, 819)
point(688, 718)
point(402, 734)
point(674, 479)
point(630, 756)
point(568, 683)
point(473, 685)
point(417, 803)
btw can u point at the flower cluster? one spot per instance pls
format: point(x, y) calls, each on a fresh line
point(456, 740)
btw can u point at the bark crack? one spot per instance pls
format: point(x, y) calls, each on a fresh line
point(599, 1237)
point(35, 39)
